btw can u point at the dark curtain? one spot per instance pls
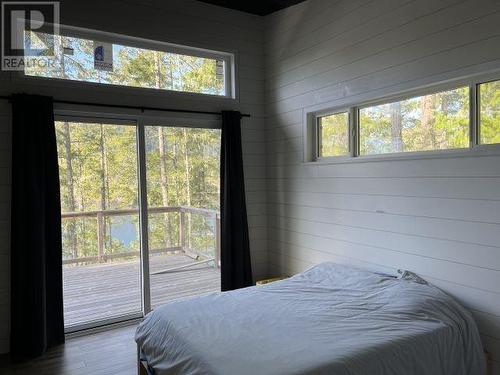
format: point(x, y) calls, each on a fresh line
point(36, 249)
point(236, 268)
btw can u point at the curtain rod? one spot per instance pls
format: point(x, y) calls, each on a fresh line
point(141, 108)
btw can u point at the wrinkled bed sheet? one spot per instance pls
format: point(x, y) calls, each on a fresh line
point(331, 319)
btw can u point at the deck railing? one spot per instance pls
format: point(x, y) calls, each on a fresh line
point(183, 245)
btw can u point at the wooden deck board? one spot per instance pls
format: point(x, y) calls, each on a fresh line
point(101, 291)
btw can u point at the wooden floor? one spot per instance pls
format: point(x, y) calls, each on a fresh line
point(97, 292)
point(111, 352)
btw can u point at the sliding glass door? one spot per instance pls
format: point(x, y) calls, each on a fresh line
point(140, 216)
point(99, 202)
point(182, 175)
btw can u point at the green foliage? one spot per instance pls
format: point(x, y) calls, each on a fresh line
point(334, 131)
point(104, 177)
point(136, 67)
point(431, 122)
point(489, 112)
point(192, 172)
point(96, 151)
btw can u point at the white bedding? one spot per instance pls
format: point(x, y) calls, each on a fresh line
point(330, 319)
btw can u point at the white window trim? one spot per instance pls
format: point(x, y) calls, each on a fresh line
point(310, 134)
point(317, 133)
point(127, 115)
point(229, 58)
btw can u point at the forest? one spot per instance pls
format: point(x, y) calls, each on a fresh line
point(98, 172)
point(432, 122)
point(73, 58)
point(437, 121)
point(98, 160)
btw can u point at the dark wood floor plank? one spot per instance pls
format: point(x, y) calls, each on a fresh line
point(110, 352)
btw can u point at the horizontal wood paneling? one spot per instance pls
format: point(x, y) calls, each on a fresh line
point(477, 277)
point(286, 30)
point(437, 216)
point(480, 166)
point(479, 255)
point(467, 232)
point(463, 54)
point(414, 20)
point(435, 187)
point(444, 208)
point(221, 30)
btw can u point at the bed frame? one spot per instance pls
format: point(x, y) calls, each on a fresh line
point(143, 368)
point(489, 364)
point(142, 365)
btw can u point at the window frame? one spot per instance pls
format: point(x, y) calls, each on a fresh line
point(317, 137)
point(477, 113)
point(311, 151)
point(229, 58)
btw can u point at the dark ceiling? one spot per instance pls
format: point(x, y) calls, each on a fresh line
point(259, 7)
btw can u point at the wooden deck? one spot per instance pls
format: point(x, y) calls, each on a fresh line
point(101, 291)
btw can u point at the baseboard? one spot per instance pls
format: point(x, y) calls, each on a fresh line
point(103, 328)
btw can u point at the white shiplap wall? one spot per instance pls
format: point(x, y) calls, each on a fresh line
point(438, 217)
point(177, 21)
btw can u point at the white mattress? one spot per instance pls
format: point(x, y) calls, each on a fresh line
point(330, 319)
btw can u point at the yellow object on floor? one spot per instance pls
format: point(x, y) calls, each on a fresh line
point(267, 281)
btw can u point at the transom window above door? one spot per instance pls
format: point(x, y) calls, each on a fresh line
point(110, 59)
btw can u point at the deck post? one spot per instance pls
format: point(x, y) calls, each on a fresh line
point(217, 240)
point(182, 232)
point(100, 236)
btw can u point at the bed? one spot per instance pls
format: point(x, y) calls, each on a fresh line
point(331, 319)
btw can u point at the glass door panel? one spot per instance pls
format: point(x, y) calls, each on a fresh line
point(182, 173)
point(100, 220)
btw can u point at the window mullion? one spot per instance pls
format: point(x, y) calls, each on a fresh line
point(318, 138)
point(143, 219)
point(473, 113)
point(353, 132)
